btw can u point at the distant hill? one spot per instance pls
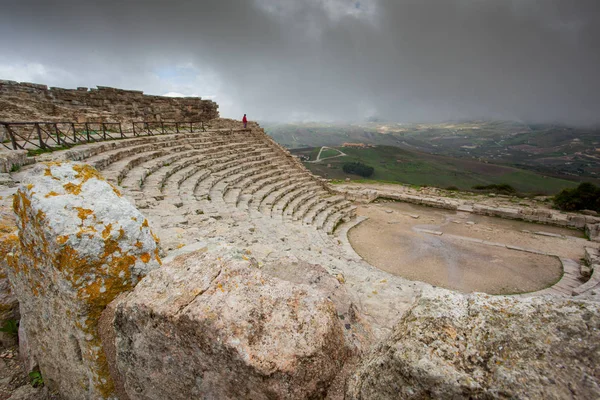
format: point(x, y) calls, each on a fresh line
point(564, 152)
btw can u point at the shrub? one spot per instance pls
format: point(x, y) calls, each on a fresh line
point(502, 188)
point(36, 379)
point(586, 196)
point(358, 168)
point(10, 326)
point(452, 188)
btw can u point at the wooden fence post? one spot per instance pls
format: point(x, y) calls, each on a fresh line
point(39, 133)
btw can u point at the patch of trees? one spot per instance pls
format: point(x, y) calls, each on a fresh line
point(586, 196)
point(358, 168)
point(502, 188)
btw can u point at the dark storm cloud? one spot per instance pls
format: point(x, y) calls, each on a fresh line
point(405, 60)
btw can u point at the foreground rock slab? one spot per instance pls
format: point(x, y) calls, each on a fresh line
point(211, 324)
point(482, 347)
point(80, 245)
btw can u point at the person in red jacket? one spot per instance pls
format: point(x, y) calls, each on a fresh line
point(245, 121)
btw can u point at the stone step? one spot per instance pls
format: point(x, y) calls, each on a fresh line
point(259, 196)
point(240, 187)
point(297, 202)
point(267, 204)
point(239, 172)
point(155, 185)
point(218, 173)
point(139, 176)
point(310, 216)
point(321, 218)
point(93, 152)
point(102, 159)
point(345, 214)
point(306, 207)
point(281, 205)
point(234, 181)
point(117, 171)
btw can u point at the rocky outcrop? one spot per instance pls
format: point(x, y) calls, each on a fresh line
point(212, 324)
point(478, 346)
point(80, 245)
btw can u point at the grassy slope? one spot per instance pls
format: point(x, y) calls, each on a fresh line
point(393, 164)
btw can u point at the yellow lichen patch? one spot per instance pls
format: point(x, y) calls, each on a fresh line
point(49, 165)
point(121, 234)
point(83, 213)
point(86, 172)
point(134, 219)
point(40, 215)
point(139, 244)
point(88, 230)
point(62, 239)
point(29, 186)
point(156, 256)
point(72, 188)
point(145, 223)
point(106, 231)
point(145, 257)
point(117, 192)
point(51, 194)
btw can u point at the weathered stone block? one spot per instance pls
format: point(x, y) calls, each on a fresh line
point(593, 232)
point(451, 346)
point(11, 159)
point(80, 245)
point(213, 325)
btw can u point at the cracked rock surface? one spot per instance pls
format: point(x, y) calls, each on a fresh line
point(484, 347)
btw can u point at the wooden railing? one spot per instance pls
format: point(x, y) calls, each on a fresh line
point(54, 135)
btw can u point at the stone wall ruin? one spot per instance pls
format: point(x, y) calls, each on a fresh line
point(33, 102)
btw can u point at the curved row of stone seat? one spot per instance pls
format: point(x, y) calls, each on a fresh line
point(217, 170)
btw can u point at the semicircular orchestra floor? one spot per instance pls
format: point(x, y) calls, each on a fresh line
point(463, 251)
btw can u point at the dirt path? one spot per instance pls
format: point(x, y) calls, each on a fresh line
point(327, 158)
point(405, 240)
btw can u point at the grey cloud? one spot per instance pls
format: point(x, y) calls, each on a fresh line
point(405, 60)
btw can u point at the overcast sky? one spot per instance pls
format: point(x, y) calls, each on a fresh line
point(403, 60)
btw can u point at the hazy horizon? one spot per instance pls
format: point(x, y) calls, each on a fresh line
point(419, 61)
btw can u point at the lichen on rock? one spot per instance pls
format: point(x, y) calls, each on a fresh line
point(77, 251)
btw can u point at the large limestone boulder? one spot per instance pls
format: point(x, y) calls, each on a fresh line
point(451, 346)
point(213, 325)
point(80, 245)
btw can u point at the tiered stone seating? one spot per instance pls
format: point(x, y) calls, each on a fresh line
point(216, 174)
